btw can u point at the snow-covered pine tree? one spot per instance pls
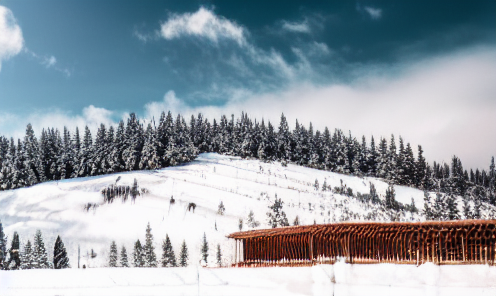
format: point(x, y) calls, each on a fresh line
point(27, 256)
point(138, 255)
point(115, 159)
point(60, 259)
point(124, 261)
point(277, 217)
point(427, 212)
point(283, 141)
point(3, 247)
point(390, 199)
point(183, 255)
point(409, 165)
point(31, 156)
point(373, 158)
point(150, 159)
point(467, 211)
point(14, 254)
point(113, 255)
point(374, 197)
point(204, 249)
point(392, 156)
point(99, 154)
point(40, 255)
point(85, 155)
point(240, 224)
point(149, 249)
point(316, 185)
point(221, 208)
point(452, 207)
point(439, 207)
point(133, 142)
point(168, 256)
point(219, 256)
point(296, 221)
point(251, 220)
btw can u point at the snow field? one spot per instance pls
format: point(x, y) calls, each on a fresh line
point(57, 208)
point(340, 279)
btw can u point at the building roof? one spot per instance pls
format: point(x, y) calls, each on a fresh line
point(318, 228)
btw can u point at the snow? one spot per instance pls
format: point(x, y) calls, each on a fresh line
point(57, 208)
point(340, 279)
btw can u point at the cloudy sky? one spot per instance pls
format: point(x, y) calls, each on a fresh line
point(424, 70)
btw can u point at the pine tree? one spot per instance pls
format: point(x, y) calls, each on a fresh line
point(27, 259)
point(149, 249)
point(219, 256)
point(138, 255)
point(124, 262)
point(14, 256)
point(316, 185)
point(60, 259)
point(467, 211)
point(204, 249)
point(113, 255)
point(452, 208)
point(3, 248)
point(183, 255)
point(39, 252)
point(296, 221)
point(168, 256)
point(221, 208)
point(240, 224)
point(427, 207)
point(390, 199)
point(276, 216)
point(251, 220)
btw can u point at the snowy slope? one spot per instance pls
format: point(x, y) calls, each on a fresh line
point(57, 208)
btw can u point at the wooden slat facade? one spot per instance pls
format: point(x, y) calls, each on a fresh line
point(446, 242)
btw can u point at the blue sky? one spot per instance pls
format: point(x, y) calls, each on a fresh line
point(422, 69)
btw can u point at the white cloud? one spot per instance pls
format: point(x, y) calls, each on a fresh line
point(302, 27)
point(445, 104)
point(15, 126)
point(375, 13)
point(203, 23)
point(11, 40)
point(49, 61)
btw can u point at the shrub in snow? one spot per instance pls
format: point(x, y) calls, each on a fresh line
point(60, 259)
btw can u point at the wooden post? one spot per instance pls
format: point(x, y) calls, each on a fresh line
point(463, 250)
point(311, 249)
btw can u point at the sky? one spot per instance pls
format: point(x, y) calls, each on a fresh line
point(420, 69)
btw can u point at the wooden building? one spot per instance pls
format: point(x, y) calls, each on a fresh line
point(440, 242)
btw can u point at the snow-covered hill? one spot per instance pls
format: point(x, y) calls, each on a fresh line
point(58, 208)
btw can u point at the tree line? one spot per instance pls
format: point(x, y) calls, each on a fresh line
point(132, 146)
point(144, 255)
point(33, 256)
